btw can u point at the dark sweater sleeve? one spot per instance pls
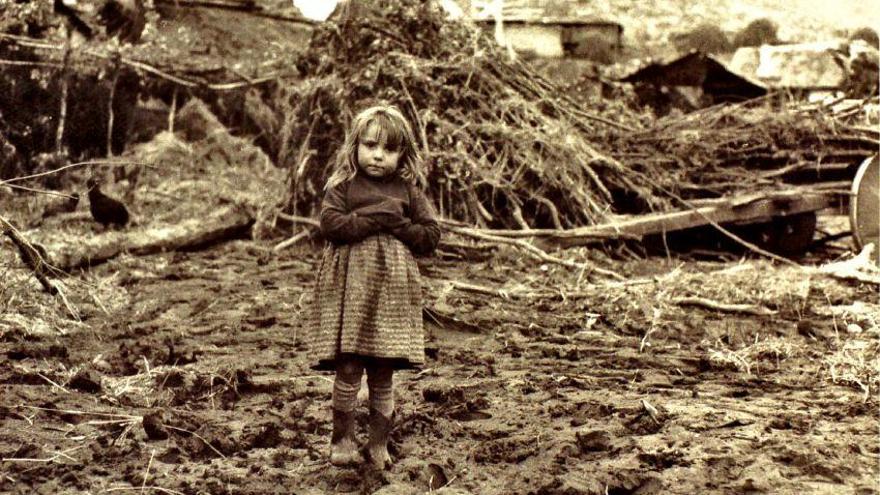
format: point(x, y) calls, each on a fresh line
point(340, 225)
point(422, 233)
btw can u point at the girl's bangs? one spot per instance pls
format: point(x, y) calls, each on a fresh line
point(389, 130)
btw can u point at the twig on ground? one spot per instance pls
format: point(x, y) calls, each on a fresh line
point(84, 413)
point(147, 472)
point(30, 256)
point(29, 63)
point(55, 457)
point(298, 219)
point(533, 251)
point(199, 437)
point(44, 377)
point(99, 303)
point(70, 309)
point(131, 488)
point(291, 241)
point(751, 309)
point(512, 293)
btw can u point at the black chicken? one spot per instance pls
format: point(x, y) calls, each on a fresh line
point(105, 210)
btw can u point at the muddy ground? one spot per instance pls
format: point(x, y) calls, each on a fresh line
point(187, 375)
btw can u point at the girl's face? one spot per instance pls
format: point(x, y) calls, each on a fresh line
point(375, 156)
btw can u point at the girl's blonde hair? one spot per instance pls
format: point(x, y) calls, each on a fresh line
point(398, 134)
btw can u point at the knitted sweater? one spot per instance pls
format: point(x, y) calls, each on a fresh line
point(365, 206)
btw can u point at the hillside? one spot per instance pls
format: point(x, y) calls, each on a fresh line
point(650, 25)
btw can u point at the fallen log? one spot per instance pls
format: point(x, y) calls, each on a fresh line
point(225, 223)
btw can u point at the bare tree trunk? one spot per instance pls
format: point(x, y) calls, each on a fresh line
point(62, 110)
point(110, 115)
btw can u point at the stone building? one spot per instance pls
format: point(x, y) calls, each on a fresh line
point(547, 29)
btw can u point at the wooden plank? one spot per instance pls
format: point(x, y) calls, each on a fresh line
point(742, 209)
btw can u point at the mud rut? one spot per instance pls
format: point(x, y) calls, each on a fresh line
point(200, 385)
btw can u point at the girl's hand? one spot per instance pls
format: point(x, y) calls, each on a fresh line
point(388, 214)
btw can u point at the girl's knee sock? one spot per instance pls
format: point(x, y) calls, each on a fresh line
point(382, 399)
point(345, 394)
point(381, 392)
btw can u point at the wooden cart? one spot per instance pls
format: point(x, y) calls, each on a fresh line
point(864, 206)
point(787, 217)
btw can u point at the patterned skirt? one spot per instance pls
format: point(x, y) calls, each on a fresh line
point(367, 302)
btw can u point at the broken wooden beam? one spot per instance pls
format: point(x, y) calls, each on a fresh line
point(190, 233)
point(742, 209)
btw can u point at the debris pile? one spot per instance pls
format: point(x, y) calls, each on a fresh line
point(503, 147)
point(747, 147)
point(194, 187)
point(506, 149)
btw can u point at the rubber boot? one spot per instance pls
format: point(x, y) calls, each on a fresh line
point(377, 447)
point(343, 446)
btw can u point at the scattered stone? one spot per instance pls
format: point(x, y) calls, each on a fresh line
point(86, 380)
point(154, 426)
point(593, 441)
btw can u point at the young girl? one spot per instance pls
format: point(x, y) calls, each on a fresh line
point(367, 312)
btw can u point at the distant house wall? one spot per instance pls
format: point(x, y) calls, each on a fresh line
point(557, 40)
point(544, 40)
point(578, 39)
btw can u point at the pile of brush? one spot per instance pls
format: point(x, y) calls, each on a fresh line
point(503, 147)
point(507, 149)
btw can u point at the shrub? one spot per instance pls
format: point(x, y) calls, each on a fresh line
point(707, 38)
point(758, 32)
point(866, 34)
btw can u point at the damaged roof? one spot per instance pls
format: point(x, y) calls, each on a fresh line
point(700, 70)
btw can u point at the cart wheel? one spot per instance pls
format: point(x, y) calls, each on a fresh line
point(864, 206)
point(790, 235)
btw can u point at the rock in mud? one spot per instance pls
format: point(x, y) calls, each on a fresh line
point(593, 441)
point(154, 426)
point(264, 435)
point(88, 381)
point(436, 476)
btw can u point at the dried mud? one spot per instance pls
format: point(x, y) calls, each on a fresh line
point(198, 383)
